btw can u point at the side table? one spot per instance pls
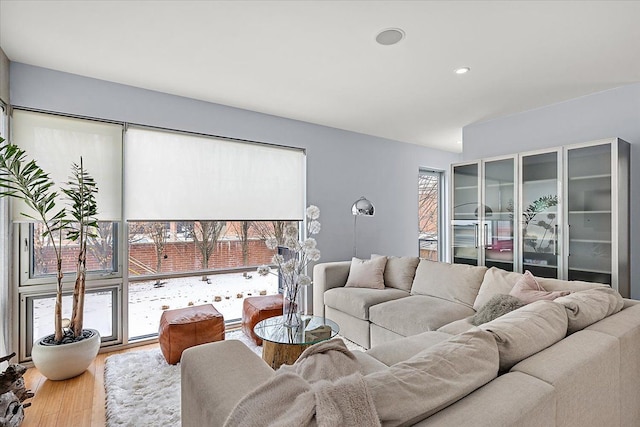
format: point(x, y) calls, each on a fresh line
point(283, 345)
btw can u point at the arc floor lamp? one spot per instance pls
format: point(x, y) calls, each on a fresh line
point(361, 207)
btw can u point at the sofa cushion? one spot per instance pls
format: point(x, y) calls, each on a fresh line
point(527, 330)
point(457, 326)
point(368, 364)
point(586, 307)
point(527, 289)
point(417, 314)
point(356, 301)
point(412, 390)
point(399, 271)
point(453, 282)
point(366, 273)
point(497, 281)
point(402, 349)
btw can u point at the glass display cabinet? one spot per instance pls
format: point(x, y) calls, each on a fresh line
point(559, 213)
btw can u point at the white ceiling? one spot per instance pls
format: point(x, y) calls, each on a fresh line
point(317, 61)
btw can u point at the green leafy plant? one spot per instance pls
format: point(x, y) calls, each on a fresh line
point(23, 179)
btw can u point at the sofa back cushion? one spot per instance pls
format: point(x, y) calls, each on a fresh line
point(453, 282)
point(399, 271)
point(365, 273)
point(587, 307)
point(527, 330)
point(497, 281)
point(412, 390)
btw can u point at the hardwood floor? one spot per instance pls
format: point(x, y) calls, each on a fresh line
point(77, 402)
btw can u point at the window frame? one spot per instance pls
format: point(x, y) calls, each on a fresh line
point(441, 242)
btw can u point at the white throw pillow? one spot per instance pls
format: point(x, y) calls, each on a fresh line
point(366, 273)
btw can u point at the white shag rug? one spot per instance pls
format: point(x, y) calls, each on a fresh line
point(142, 389)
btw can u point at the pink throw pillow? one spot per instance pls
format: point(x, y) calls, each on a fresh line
point(527, 289)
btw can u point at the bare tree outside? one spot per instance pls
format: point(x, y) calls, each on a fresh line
point(157, 232)
point(205, 236)
point(241, 229)
point(428, 207)
point(101, 245)
point(266, 229)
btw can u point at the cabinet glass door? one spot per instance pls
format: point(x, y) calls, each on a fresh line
point(589, 213)
point(465, 226)
point(540, 221)
point(498, 222)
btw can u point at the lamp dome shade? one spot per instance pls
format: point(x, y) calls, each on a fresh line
point(362, 206)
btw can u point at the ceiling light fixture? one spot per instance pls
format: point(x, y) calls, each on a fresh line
point(390, 36)
point(462, 70)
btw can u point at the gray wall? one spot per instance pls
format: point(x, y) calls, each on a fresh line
point(4, 77)
point(341, 165)
point(613, 113)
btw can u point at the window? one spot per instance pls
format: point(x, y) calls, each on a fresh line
point(101, 254)
point(180, 230)
point(56, 142)
point(430, 204)
point(180, 263)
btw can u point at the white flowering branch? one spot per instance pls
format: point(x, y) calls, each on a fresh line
point(292, 269)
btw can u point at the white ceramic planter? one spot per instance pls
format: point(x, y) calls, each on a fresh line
point(60, 362)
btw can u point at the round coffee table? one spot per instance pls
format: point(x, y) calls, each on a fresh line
point(283, 345)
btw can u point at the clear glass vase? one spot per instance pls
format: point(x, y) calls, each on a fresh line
point(293, 304)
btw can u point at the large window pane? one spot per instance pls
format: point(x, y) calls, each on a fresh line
point(174, 264)
point(98, 314)
point(101, 256)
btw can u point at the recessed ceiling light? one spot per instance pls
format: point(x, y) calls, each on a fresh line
point(390, 36)
point(462, 70)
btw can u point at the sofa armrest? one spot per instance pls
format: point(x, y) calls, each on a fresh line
point(327, 275)
point(215, 377)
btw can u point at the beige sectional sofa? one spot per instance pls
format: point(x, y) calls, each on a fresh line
point(574, 361)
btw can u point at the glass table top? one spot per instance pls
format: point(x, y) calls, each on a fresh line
point(312, 330)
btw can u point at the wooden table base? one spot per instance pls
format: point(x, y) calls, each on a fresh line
point(276, 354)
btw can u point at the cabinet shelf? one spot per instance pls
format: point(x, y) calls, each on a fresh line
point(590, 241)
point(540, 181)
point(578, 178)
point(466, 187)
point(504, 184)
point(589, 270)
point(588, 212)
point(526, 264)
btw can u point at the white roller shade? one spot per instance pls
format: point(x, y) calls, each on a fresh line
point(55, 143)
point(185, 177)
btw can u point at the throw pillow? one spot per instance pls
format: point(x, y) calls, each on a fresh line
point(495, 281)
point(399, 271)
point(497, 306)
point(528, 290)
point(366, 273)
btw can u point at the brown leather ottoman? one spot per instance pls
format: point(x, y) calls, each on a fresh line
point(187, 327)
point(255, 309)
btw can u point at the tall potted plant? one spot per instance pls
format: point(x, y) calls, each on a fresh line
point(70, 349)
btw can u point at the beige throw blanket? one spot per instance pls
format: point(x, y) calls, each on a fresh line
point(322, 388)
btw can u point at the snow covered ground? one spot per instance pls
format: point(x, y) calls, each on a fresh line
point(147, 302)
